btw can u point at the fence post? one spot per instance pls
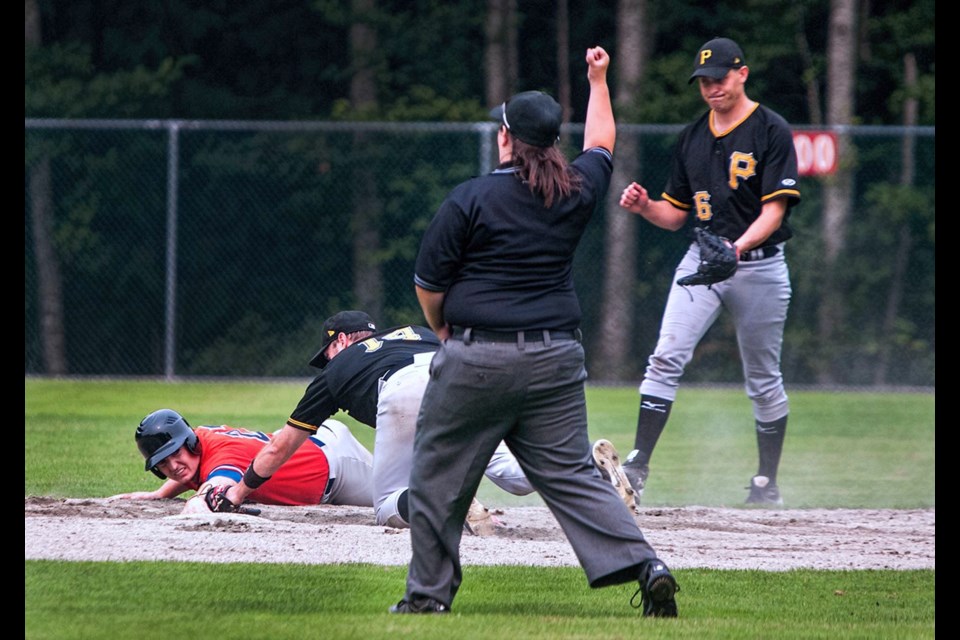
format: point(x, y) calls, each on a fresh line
point(170, 325)
point(486, 151)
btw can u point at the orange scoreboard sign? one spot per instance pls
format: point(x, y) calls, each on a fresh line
point(816, 152)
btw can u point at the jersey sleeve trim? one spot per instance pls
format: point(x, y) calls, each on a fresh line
point(227, 472)
point(781, 193)
point(303, 426)
point(601, 150)
point(429, 286)
point(675, 202)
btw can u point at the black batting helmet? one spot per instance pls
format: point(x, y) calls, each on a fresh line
point(161, 434)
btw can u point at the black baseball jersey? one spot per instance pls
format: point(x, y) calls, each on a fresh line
point(725, 179)
point(350, 381)
point(505, 261)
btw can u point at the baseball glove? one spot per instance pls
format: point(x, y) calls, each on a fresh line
point(216, 499)
point(718, 260)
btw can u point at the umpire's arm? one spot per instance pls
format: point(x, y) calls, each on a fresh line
point(432, 304)
point(600, 127)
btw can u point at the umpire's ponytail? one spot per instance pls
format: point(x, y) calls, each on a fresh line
point(545, 170)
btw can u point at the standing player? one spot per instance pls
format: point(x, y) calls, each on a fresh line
point(734, 171)
point(333, 469)
point(379, 379)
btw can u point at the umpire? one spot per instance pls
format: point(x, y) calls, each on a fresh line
point(493, 277)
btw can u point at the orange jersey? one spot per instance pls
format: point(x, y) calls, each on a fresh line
point(227, 451)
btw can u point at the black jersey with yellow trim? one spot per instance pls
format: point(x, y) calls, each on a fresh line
point(351, 380)
point(725, 178)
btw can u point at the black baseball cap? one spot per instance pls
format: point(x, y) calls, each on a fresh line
point(342, 322)
point(532, 116)
point(716, 57)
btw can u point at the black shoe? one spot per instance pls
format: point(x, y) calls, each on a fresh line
point(764, 493)
point(419, 605)
point(657, 589)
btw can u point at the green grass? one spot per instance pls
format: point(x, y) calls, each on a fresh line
point(854, 450)
point(857, 450)
point(188, 600)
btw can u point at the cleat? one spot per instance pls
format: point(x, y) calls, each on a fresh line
point(764, 493)
point(480, 522)
point(636, 475)
point(608, 462)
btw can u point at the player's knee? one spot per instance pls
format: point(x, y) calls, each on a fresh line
point(666, 368)
point(510, 480)
point(505, 472)
point(388, 511)
point(516, 485)
point(394, 521)
point(771, 405)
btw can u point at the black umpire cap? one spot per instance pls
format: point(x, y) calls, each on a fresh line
point(716, 57)
point(343, 322)
point(532, 116)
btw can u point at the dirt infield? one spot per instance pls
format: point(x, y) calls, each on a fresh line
point(687, 537)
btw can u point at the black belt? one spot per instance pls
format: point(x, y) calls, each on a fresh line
point(759, 254)
point(469, 334)
point(390, 372)
point(327, 490)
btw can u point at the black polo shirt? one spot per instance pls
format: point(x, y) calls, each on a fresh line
point(503, 259)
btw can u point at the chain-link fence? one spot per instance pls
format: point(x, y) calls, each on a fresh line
point(184, 248)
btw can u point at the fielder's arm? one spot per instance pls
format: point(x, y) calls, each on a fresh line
point(280, 448)
point(771, 217)
point(661, 213)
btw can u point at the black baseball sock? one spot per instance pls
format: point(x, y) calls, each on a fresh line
point(653, 416)
point(403, 506)
point(770, 445)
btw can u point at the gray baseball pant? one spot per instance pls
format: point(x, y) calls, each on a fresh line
point(531, 396)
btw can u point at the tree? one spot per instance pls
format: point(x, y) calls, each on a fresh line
point(810, 72)
point(500, 50)
point(365, 221)
point(619, 258)
point(431, 61)
point(49, 280)
point(61, 80)
point(842, 57)
point(904, 234)
point(563, 59)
